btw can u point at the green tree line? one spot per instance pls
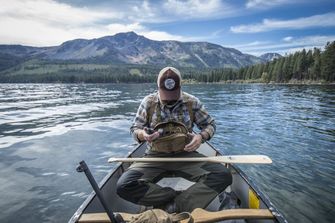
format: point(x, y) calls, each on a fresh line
point(303, 66)
point(311, 65)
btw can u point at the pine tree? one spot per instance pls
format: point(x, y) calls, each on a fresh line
point(303, 65)
point(296, 65)
point(276, 73)
point(309, 63)
point(328, 62)
point(316, 67)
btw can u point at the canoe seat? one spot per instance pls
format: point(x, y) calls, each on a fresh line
point(199, 215)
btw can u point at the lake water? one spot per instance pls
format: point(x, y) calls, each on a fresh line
point(45, 130)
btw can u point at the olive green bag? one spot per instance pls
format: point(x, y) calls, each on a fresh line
point(160, 216)
point(174, 137)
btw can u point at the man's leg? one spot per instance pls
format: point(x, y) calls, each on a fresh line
point(137, 185)
point(206, 188)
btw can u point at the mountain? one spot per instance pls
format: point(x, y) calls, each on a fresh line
point(270, 56)
point(130, 48)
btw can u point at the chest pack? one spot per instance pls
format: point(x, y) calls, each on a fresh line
point(173, 134)
point(173, 137)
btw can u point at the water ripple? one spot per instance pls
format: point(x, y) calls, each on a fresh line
point(46, 129)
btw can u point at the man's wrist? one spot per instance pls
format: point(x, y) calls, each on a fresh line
point(203, 137)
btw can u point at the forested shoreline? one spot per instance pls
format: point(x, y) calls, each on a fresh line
point(312, 66)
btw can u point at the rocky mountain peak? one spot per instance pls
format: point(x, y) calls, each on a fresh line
point(270, 56)
point(130, 48)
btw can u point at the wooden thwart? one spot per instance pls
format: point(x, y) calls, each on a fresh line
point(94, 217)
point(199, 215)
point(260, 159)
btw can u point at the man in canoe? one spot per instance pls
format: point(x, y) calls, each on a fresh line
point(165, 120)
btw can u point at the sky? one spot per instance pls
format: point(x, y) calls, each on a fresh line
point(251, 26)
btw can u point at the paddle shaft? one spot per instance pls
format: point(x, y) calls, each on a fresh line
point(259, 159)
point(84, 168)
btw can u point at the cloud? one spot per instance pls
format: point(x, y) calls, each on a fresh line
point(143, 12)
point(159, 35)
point(142, 30)
point(324, 20)
point(288, 38)
point(251, 44)
point(118, 27)
point(176, 11)
point(47, 22)
point(266, 3)
point(307, 42)
point(52, 12)
point(195, 9)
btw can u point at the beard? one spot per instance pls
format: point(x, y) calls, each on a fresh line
point(170, 103)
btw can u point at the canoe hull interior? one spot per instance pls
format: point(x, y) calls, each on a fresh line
point(241, 194)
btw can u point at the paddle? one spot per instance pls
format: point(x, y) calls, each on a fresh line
point(260, 159)
point(199, 215)
point(82, 167)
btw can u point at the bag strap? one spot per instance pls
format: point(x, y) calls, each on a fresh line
point(190, 110)
point(153, 105)
point(189, 105)
point(182, 216)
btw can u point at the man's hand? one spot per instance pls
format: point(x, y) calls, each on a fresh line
point(150, 137)
point(195, 142)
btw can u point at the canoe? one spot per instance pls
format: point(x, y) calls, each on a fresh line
point(241, 202)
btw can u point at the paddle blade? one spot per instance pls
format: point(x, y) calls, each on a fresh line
point(259, 159)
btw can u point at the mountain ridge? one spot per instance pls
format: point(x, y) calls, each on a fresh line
point(130, 48)
point(270, 56)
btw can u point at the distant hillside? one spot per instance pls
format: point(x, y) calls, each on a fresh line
point(130, 48)
point(270, 56)
point(312, 66)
